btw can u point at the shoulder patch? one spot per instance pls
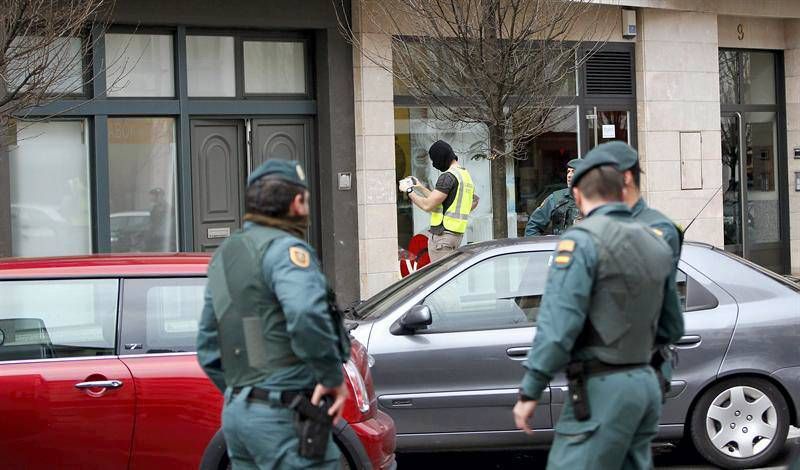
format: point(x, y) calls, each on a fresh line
point(566, 245)
point(562, 261)
point(299, 256)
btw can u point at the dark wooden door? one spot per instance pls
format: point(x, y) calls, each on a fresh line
point(218, 175)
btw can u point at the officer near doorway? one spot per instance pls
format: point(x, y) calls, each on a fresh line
point(449, 204)
point(608, 302)
point(558, 211)
point(270, 337)
point(627, 160)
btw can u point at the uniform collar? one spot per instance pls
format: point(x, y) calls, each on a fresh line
point(639, 207)
point(617, 208)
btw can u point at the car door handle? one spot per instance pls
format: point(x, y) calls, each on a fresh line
point(518, 353)
point(688, 340)
point(99, 384)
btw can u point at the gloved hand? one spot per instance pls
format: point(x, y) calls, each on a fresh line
point(404, 185)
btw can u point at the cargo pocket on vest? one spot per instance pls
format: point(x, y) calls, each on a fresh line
point(254, 342)
point(575, 432)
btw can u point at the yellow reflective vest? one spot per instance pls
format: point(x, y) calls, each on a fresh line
point(455, 217)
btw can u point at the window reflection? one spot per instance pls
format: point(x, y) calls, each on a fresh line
point(141, 153)
point(50, 212)
point(415, 131)
point(542, 168)
point(728, 77)
point(758, 78)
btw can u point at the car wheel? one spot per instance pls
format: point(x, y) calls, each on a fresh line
point(740, 423)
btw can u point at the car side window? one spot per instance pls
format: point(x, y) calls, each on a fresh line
point(693, 295)
point(161, 315)
point(500, 292)
point(57, 318)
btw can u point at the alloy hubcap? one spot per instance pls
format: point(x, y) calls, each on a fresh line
point(741, 422)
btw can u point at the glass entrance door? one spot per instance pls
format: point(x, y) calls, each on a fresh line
point(753, 157)
point(732, 214)
point(751, 201)
point(605, 124)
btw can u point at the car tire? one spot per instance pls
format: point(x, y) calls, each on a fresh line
point(740, 423)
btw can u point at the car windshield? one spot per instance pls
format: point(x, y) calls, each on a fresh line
point(377, 304)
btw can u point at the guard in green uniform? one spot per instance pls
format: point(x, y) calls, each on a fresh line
point(628, 163)
point(608, 302)
point(269, 331)
point(558, 211)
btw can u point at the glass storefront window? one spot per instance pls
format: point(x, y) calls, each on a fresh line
point(50, 211)
point(62, 59)
point(273, 67)
point(542, 168)
point(415, 131)
point(139, 65)
point(210, 66)
point(142, 175)
point(758, 78)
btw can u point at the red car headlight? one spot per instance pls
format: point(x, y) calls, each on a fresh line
point(357, 385)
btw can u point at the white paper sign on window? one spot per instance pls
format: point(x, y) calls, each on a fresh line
point(609, 132)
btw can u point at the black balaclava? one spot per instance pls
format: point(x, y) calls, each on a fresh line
point(442, 155)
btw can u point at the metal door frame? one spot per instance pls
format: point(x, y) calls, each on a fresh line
point(781, 152)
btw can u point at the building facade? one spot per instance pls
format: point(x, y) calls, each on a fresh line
point(709, 102)
point(185, 97)
point(181, 99)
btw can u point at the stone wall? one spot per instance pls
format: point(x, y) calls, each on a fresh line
point(375, 168)
point(677, 86)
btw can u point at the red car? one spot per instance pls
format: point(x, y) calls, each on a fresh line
point(98, 370)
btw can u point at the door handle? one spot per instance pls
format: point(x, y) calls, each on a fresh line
point(518, 353)
point(99, 384)
point(688, 340)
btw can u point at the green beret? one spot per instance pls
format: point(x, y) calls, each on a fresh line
point(287, 170)
point(590, 161)
point(625, 155)
point(573, 163)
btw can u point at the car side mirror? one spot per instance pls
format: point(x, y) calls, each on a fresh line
point(418, 318)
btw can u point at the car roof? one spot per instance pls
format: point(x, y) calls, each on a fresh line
point(107, 265)
point(480, 247)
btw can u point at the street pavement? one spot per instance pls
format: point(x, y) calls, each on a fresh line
point(675, 458)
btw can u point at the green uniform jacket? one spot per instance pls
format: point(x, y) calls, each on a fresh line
point(302, 293)
point(655, 219)
point(566, 303)
point(541, 218)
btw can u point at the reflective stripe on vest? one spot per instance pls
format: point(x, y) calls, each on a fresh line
point(456, 216)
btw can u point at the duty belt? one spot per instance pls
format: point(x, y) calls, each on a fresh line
point(261, 395)
point(596, 367)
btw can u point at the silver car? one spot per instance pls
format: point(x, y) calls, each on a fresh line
point(448, 343)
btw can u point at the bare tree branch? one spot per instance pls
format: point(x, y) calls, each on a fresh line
point(45, 46)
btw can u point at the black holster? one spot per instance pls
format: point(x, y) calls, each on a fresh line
point(576, 380)
point(313, 426)
point(662, 355)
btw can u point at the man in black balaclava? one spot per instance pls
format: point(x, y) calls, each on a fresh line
point(449, 203)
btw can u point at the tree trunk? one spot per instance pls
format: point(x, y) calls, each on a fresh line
point(499, 192)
